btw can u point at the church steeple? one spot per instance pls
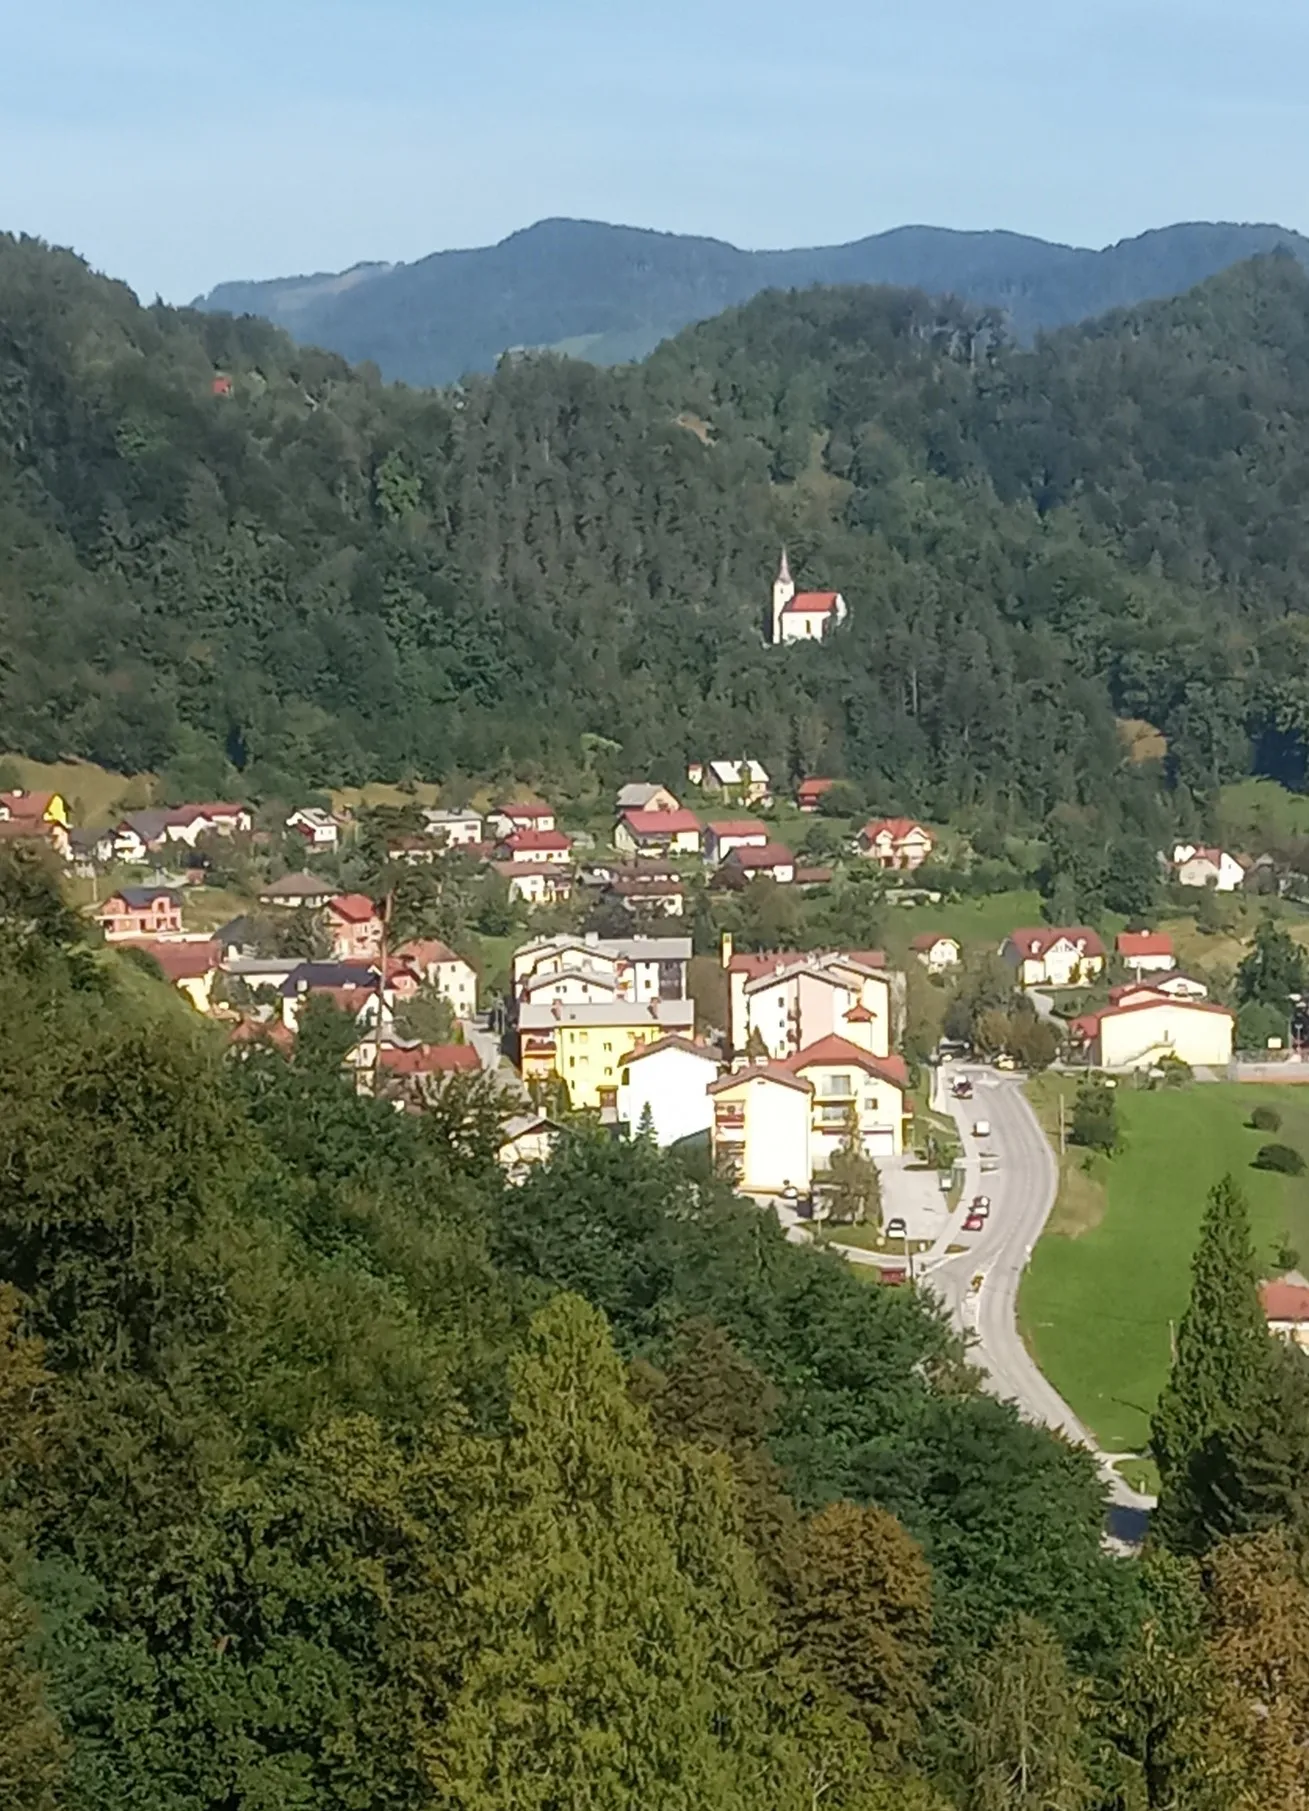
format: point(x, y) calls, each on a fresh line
point(783, 592)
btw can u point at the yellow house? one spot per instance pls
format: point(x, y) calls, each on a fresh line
point(1141, 1032)
point(584, 1042)
point(761, 1129)
point(39, 807)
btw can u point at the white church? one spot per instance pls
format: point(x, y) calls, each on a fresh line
point(803, 615)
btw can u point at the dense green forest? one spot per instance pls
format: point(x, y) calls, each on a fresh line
point(337, 1474)
point(612, 293)
point(562, 572)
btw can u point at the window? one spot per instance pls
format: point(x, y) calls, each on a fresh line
point(870, 1103)
point(837, 1087)
point(608, 1049)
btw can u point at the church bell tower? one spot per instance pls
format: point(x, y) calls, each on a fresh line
point(783, 592)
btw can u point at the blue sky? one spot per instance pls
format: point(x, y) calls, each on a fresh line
point(176, 145)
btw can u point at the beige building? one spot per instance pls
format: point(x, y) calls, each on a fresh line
point(761, 1129)
point(585, 1044)
point(848, 1081)
point(789, 1000)
point(1054, 955)
point(1142, 1032)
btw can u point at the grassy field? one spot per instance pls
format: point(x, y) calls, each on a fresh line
point(1253, 811)
point(93, 794)
point(1110, 1276)
point(976, 923)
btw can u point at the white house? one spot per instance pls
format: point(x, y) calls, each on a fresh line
point(1139, 1032)
point(1054, 955)
point(439, 967)
point(936, 951)
point(536, 883)
point(762, 1129)
point(188, 823)
point(581, 986)
point(525, 1141)
point(455, 829)
point(645, 795)
point(1194, 866)
point(746, 781)
point(803, 615)
point(638, 968)
point(898, 843)
point(1285, 1302)
point(551, 847)
point(671, 1077)
point(1146, 952)
point(319, 828)
point(725, 834)
point(773, 861)
point(790, 1000)
point(529, 814)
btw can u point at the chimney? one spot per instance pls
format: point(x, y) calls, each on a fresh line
point(726, 949)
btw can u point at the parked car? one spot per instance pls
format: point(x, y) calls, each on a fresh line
point(980, 1204)
point(981, 1128)
point(1005, 1061)
point(896, 1228)
point(974, 1223)
point(962, 1089)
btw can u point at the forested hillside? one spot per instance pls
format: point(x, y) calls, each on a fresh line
point(338, 1475)
point(611, 293)
point(317, 579)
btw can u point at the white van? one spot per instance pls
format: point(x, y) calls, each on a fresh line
point(981, 1128)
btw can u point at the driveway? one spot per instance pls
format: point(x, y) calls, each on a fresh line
point(913, 1195)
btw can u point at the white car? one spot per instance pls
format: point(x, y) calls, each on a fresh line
point(896, 1228)
point(981, 1128)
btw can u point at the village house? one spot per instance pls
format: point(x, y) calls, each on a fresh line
point(192, 967)
point(547, 846)
point(584, 1044)
point(138, 835)
point(437, 966)
point(1176, 986)
point(526, 1140)
point(658, 832)
point(637, 968)
point(809, 793)
point(188, 823)
point(668, 1080)
point(536, 883)
point(1193, 866)
point(297, 892)
point(769, 861)
point(1054, 955)
point(898, 843)
point(353, 987)
point(1285, 1302)
point(318, 828)
point(528, 814)
point(141, 912)
point(1145, 952)
point(786, 1000)
point(762, 1129)
point(89, 851)
point(456, 829)
point(803, 615)
point(20, 806)
point(354, 926)
point(746, 782)
point(266, 972)
point(579, 986)
point(852, 1091)
point(645, 795)
point(412, 852)
point(1141, 1031)
point(936, 951)
point(405, 1071)
point(725, 834)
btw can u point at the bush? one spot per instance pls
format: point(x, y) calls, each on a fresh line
point(1265, 1119)
point(1284, 1158)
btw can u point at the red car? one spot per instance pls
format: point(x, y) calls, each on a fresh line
point(974, 1223)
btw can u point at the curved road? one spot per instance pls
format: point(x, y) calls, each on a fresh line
point(1022, 1186)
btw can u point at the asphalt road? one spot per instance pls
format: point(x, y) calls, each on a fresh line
point(980, 1286)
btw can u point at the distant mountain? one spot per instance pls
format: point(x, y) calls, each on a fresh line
point(612, 293)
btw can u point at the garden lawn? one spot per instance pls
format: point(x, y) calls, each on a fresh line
point(976, 923)
point(1111, 1274)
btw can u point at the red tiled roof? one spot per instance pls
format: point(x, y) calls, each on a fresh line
point(257, 1031)
point(859, 1015)
point(813, 789)
point(761, 855)
point(429, 1059)
point(526, 808)
point(355, 908)
point(1284, 1301)
point(426, 950)
point(1144, 943)
point(926, 940)
point(812, 603)
point(1088, 1024)
point(1036, 940)
point(833, 1049)
point(737, 826)
point(812, 877)
point(26, 804)
point(671, 1042)
point(773, 1072)
point(660, 823)
point(179, 961)
point(538, 839)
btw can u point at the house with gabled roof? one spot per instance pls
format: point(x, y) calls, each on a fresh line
point(854, 1093)
point(722, 835)
point(762, 1129)
point(657, 832)
point(645, 795)
point(898, 843)
point(788, 999)
point(1049, 955)
point(668, 1080)
point(1145, 952)
point(803, 615)
point(354, 925)
point(141, 912)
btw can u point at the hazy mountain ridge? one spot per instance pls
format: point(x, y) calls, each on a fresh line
point(611, 293)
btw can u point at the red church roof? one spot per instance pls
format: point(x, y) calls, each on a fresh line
point(811, 603)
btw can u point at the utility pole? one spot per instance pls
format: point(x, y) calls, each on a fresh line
point(1063, 1142)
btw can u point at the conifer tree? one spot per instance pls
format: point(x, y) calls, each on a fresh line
point(1223, 1354)
point(1021, 1744)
